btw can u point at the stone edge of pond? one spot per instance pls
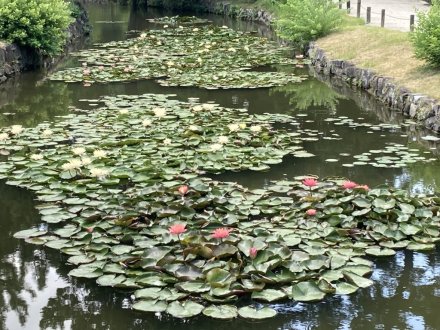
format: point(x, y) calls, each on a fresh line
point(15, 59)
point(422, 108)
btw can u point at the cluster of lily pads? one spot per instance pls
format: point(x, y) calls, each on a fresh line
point(178, 20)
point(210, 57)
point(122, 195)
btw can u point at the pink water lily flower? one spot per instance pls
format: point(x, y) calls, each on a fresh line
point(177, 229)
point(253, 252)
point(311, 212)
point(183, 190)
point(221, 232)
point(310, 182)
point(349, 184)
point(364, 186)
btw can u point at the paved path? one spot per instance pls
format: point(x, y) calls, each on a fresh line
point(397, 12)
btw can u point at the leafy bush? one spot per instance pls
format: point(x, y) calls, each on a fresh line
point(426, 37)
point(40, 24)
point(302, 21)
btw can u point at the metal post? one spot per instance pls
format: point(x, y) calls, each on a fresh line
point(368, 15)
point(411, 23)
point(382, 18)
point(358, 12)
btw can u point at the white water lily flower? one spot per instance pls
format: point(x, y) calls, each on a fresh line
point(195, 29)
point(198, 108)
point(16, 129)
point(233, 127)
point(47, 132)
point(160, 112)
point(232, 50)
point(165, 26)
point(246, 48)
point(146, 122)
point(255, 128)
point(36, 156)
point(99, 153)
point(73, 164)
point(4, 136)
point(86, 161)
point(208, 106)
point(216, 146)
point(242, 125)
point(211, 31)
point(199, 60)
point(143, 35)
point(79, 151)
point(224, 27)
point(170, 63)
point(223, 139)
point(166, 142)
point(193, 128)
point(123, 111)
point(99, 172)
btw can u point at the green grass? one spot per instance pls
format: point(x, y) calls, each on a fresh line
point(387, 52)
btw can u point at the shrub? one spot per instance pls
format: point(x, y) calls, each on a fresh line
point(40, 24)
point(426, 36)
point(302, 21)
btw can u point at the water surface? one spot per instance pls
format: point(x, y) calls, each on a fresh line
point(36, 292)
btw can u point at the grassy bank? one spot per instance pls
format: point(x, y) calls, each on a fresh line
point(387, 52)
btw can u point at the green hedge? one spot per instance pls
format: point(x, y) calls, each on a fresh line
point(426, 37)
point(40, 24)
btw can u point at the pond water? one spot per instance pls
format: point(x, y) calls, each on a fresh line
point(38, 293)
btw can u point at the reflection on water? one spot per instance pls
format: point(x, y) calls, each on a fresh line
point(37, 293)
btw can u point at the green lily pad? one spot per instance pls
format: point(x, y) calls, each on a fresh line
point(184, 309)
point(222, 312)
point(256, 314)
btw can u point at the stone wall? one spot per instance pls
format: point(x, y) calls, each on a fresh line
point(15, 59)
point(417, 106)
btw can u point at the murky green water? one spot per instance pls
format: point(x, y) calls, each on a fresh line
point(37, 293)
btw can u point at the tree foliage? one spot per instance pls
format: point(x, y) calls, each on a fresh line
point(40, 24)
point(302, 21)
point(426, 37)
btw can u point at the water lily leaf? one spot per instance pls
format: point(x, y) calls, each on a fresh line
point(86, 272)
point(343, 288)
point(378, 252)
point(256, 314)
point(121, 249)
point(224, 250)
point(221, 311)
point(269, 295)
point(355, 279)
point(407, 208)
point(148, 293)
point(218, 277)
point(30, 233)
point(420, 247)
point(246, 245)
point(384, 204)
point(184, 309)
point(409, 229)
point(80, 259)
point(362, 202)
point(188, 273)
point(110, 280)
point(155, 306)
point(193, 286)
point(306, 291)
point(58, 244)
